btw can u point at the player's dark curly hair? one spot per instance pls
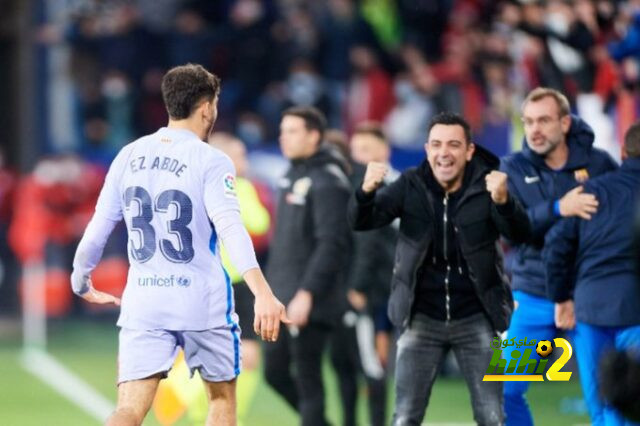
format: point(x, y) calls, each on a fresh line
point(185, 86)
point(313, 118)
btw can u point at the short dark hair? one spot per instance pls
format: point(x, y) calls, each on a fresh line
point(185, 86)
point(451, 119)
point(313, 118)
point(372, 128)
point(632, 140)
point(540, 93)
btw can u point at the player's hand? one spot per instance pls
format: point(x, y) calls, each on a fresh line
point(269, 312)
point(565, 316)
point(497, 186)
point(300, 307)
point(100, 297)
point(357, 299)
point(578, 203)
point(374, 176)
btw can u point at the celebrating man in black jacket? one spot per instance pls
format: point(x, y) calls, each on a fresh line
point(448, 288)
point(308, 260)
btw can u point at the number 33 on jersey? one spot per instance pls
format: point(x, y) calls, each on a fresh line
point(168, 187)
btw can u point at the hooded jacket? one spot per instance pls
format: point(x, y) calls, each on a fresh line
point(311, 241)
point(477, 221)
point(601, 251)
point(538, 187)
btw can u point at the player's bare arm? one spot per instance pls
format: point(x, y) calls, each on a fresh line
point(269, 312)
point(87, 257)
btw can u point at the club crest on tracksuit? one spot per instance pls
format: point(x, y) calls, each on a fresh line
point(299, 191)
point(581, 175)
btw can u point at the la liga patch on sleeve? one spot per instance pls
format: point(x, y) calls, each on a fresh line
point(229, 185)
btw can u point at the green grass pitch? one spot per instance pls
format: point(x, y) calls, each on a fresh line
point(88, 349)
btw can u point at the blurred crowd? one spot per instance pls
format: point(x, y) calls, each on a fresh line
point(395, 61)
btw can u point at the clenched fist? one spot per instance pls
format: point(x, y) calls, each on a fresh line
point(374, 176)
point(497, 186)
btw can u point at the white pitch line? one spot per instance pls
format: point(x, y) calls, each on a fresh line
point(56, 375)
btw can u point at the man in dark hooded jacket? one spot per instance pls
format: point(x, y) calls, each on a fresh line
point(308, 260)
point(546, 177)
point(606, 291)
point(448, 289)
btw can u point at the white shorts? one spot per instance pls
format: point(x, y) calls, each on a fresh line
point(215, 353)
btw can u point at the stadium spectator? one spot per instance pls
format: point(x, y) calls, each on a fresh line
point(369, 92)
point(343, 342)
point(361, 341)
point(370, 275)
point(341, 27)
point(591, 276)
point(306, 265)
point(172, 185)
point(449, 290)
point(409, 117)
point(257, 219)
point(546, 177)
point(8, 265)
point(56, 201)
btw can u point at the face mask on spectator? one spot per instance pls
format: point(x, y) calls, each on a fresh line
point(304, 88)
point(250, 132)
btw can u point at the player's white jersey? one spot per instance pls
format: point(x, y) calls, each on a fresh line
point(168, 186)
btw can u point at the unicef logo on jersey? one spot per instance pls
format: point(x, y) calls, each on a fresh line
point(163, 282)
point(184, 281)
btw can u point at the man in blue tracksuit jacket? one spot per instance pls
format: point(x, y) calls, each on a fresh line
point(546, 177)
point(607, 290)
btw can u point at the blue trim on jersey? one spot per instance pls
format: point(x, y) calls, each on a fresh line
point(213, 240)
point(232, 323)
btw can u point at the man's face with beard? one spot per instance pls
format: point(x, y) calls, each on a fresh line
point(544, 127)
point(448, 152)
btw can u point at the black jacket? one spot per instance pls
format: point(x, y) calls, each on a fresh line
point(444, 291)
point(373, 254)
point(311, 242)
point(477, 221)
